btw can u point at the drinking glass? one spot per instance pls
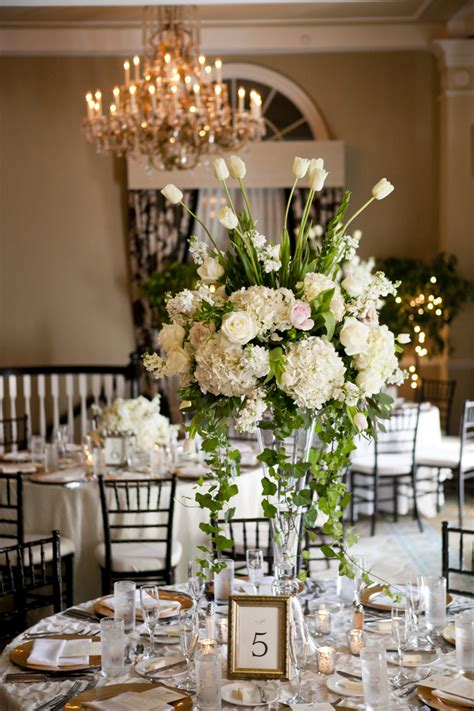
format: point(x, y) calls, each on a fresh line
point(254, 558)
point(62, 439)
point(51, 457)
point(434, 596)
point(113, 641)
point(400, 631)
point(37, 449)
point(345, 590)
point(299, 648)
point(412, 593)
point(464, 626)
point(124, 603)
point(196, 582)
point(359, 567)
point(150, 605)
point(373, 664)
point(224, 582)
point(188, 639)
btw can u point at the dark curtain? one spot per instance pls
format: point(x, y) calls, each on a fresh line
point(323, 209)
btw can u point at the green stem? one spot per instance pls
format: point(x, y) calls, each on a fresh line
point(202, 225)
point(289, 203)
point(361, 209)
point(242, 189)
point(304, 219)
point(229, 197)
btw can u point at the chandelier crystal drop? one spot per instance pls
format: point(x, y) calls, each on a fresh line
point(173, 106)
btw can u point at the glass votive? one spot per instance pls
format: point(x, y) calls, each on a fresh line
point(322, 621)
point(434, 598)
point(373, 664)
point(208, 676)
point(224, 582)
point(98, 462)
point(356, 640)
point(326, 658)
point(37, 449)
point(222, 630)
point(113, 642)
point(51, 458)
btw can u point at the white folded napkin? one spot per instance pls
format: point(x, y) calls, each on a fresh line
point(191, 470)
point(60, 652)
point(22, 456)
point(63, 476)
point(14, 468)
point(456, 686)
point(157, 699)
point(168, 608)
point(243, 587)
point(350, 685)
point(323, 706)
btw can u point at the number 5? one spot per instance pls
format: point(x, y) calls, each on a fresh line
point(259, 641)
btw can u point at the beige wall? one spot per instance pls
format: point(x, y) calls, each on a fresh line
point(63, 262)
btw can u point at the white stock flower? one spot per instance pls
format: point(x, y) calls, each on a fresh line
point(210, 270)
point(378, 362)
point(221, 172)
point(228, 218)
point(300, 167)
point(317, 174)
point(356, 283)
point(251, 412)
point(172, 193)
point(197, 249)
point(381, 189)
point(237, 167)
point(360, 421)
point(171, 336)
point(314, 283)
point(354, 336)
point(239, 327)
point(404, 338)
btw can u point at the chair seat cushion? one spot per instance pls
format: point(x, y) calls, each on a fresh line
point(67, 547)
point(446, 455)
point(387, 464)
point(138, 557)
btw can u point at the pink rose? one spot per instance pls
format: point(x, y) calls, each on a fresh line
point(300, 316)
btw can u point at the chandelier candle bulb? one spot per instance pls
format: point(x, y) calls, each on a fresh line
point(326, 657)
point(133, 106)
point(136, 66)
point(241, 93)
point(152, 92)
point(218, 66)
point(98, 98)
point(116, 93)
point(218, 92)
point(126, 67)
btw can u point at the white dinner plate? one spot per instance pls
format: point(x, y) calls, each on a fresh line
point(337, 684)
point(228, 695)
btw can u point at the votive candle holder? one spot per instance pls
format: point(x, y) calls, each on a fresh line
point(356, 640)
point(326, 658)
point(322, 621)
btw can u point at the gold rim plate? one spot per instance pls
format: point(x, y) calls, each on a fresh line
point(20, 654)
point(448, 637)
point(427, 696)
point(185, 601)
point(368, 598)
point(109, 692)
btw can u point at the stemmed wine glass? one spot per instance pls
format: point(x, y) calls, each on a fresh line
point(254, 558)
point(196, 583)
point(188, 639)
point(299, 648)
point(150, 605)
point(359, 567)
point(400, 632)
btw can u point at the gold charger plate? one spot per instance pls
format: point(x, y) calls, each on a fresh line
point(20, 654)
point(426, 695)
point(368, 597)
point(108, 692)
point(446, 633)
point(184, 600)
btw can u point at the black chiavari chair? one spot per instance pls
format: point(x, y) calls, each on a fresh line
point(464, 570)
point(30, 579)
point(138, 543)
point(14, 434)
point(248, 533)
point(12, 528)
point(441, 394)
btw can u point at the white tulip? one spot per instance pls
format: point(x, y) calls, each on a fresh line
point(354, 336)
point(210, 270)
point(404, 338)
point(360, 421)
point(221, 172)
point(228, 218)
point(239, 327)
point(317, 174)
point(300, 167)
point(381, 189)
point(237, 167)
point(172, 193)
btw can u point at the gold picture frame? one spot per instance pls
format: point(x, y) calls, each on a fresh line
point(259, 633)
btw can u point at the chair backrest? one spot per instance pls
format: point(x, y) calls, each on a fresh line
point(137, 511)
point(11, 507)
point(467, 425)
point(58, 394)
point(14, 434)
point(441, 394)
point(464, 570)
point(400, 433)
point(248, 533)
point(30, 579)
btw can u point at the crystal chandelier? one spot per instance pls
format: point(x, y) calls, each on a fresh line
point(173, 108)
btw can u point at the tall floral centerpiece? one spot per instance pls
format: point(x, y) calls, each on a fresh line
point(277, 338)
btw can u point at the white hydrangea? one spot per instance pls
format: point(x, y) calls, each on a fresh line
point(251, 413)
point(140, 417)
point(224, 368)
point(182, 305)
point(378, 363)
point(270, 308)
point(198, 250)
point(314, 373)
point(314, 283)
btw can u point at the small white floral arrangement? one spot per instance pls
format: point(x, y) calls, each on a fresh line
point(139, 417)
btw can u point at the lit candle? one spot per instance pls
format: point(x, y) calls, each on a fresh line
point(113, 109)
point(356, 641)
point(132, 91)
point(167, 62)
point(98, 98)
point(202, 62)
point(116, 93)
point(197, 90)
point(151, 89)
point(326, 657)
point(136, 65)
point(323, 621)
point(252, 103)
point(207, 73)
point(218, 66)
point(126, 66)
point(218, 92)
point(258, 106)
point(90, 106)
point(241, 93)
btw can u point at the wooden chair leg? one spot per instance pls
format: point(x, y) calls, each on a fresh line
point(106, 581)
point(376, 505)
point(69, 580)
point(416, 515)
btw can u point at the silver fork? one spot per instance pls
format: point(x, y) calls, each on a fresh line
point(90, 685)
point(58, 699)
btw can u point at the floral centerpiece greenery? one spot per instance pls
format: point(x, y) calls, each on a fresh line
point(139, 417)
point(161, 284)
point(270, 338)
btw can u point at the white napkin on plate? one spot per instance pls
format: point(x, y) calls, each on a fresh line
point(22, 456)
point(243, 587)
point(14, 468)
point(65, 475)
point(168, 608)
point(456, 686)
point(323, 706)
point(58, 652)
point(157, 699)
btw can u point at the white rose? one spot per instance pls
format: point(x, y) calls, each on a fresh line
point(210, 270)
point(172, 193)
point(228, 218)
point(404, 338)
point(171, 336)
point(221, 171)
point(369, 381)
point(381, 189)
point(360, 421)
point(237, 167)
point(177, 362)
point(300, 167)
point(354, 336)
point(356, 283)
point(239, 327)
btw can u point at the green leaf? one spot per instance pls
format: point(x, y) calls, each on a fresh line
point(330, 323)
point(269, 511)
point(269, 488)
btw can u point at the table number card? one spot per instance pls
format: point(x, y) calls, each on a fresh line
point(115, 450)
point(258, 637)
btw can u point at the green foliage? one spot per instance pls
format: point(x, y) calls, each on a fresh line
point(160, 285)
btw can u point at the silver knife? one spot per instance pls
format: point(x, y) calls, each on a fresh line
point(348, 675)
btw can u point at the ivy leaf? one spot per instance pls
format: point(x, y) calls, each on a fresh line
point(328, 551)
point(269, 511)
point(277, 362)
point(269, 488)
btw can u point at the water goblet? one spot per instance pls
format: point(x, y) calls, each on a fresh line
point(299, 649)
point(150, 605)
point(400, 632)
point(255, 571)
point(196, 582)
point(37, 449)
point(188, 639)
